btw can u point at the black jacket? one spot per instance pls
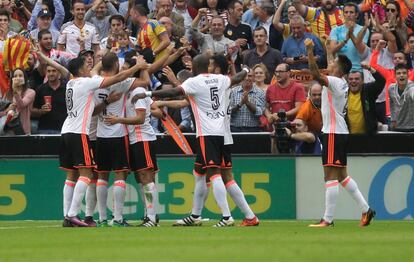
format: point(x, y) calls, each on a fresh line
point(369, 94)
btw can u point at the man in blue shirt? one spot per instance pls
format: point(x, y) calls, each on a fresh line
point(293, 49)
point(341, 35)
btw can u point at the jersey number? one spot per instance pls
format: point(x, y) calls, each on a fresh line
point(215, 101)
point(103, 97)
point(69, 100)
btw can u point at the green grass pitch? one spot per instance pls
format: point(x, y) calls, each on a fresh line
point(271, 241)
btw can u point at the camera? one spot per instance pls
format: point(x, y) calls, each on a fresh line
point(283, 141)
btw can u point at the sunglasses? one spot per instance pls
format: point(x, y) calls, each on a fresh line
point(391, 10)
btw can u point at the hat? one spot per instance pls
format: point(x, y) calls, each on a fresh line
point(44, 13)
point(84, 52)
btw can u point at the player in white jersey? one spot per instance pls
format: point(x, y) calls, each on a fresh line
point(218, 65)
point(207, 95)
point(335, 136)
point(142, 149)
point(113, 138)
point(75, 155)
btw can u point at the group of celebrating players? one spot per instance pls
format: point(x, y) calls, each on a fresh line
point(109, 120)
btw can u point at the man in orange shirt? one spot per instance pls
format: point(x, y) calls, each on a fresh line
point(310, 111)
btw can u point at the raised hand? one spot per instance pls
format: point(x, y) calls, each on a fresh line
point(309, 44)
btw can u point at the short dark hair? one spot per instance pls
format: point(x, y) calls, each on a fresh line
point(42, 33)
point(117, 17)
point(221, 61)
point(76, 2)
point(75, 65)
point(345, 65)
point(140, 9)
point(357, 71)
point(401, 66)
point(4, 12)
point(200, 64)
point(259, 28)
point(109, 61)
point(409, 36)
point(233, 3)
point(351, 4)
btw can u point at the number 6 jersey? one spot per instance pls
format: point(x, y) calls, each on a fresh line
point(207, 96)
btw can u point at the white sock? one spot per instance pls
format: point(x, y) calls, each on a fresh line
point(220, 194)
point(90, 199)
point(142, 195)
point(67, 195)
point(78, 194)
point(331, 195)
point(119, 199)
point(149, 192)
point(102, 197)
point(200, 192)
point(238, 197)
point(351, 186)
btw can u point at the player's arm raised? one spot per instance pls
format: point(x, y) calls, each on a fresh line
point(240, 76)
point(313, 67)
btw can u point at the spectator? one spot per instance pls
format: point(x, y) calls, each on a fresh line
point(285, 94)
point(117, 23)
point(152, 36)
point(262, 53)
point(79, 32)
point(44, 19)
point(361, 116)
point(89, 58)
point(305, 140)
point(341, 34)
point(250, 16)
point(55, 23)
point(22, 96)
point(260, 75)
point(310, 111)
point(99, 15)
point(410, 55)
point(123, 46)
point(265, 15)
point(165, 8)
point(279, 26)
point(237, 31)
point(5, 29)
point(50, 102)
point(212, 10)
point(402, 101)
point(13, 25)
point(188, 12)
point(293, 49)
point(395, 22)
point(215, 41)
point(45, 42)
point(247, 105)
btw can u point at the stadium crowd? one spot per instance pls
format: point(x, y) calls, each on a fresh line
point(266, 36)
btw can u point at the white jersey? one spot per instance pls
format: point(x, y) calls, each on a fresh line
point(144, 132)
point(80, 104)
point(334, 106)
point(116, 108)
point(71, 33)
point(207, 96)
point(228, 138)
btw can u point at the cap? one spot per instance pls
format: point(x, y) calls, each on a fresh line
point(44, 13)
point(84, 52)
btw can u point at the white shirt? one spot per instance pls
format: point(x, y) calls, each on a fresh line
point(228, 138)
point(144, 132)
point(80, 104)
point(104, 41)
point(116, 108)
point(207, 96)
point(71, 33)
point(334, 105)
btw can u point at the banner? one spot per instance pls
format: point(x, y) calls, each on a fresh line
point(386, 182)
point(32, 189)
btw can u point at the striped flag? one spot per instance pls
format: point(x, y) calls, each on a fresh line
point(16, 53)
point(4, 80)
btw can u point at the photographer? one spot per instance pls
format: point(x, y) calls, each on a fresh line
point(305, 142)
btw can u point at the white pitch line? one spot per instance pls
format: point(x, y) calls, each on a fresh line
point(5, 228)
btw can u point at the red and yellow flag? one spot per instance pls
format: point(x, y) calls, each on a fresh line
point(16, 53)
point(4, 80)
